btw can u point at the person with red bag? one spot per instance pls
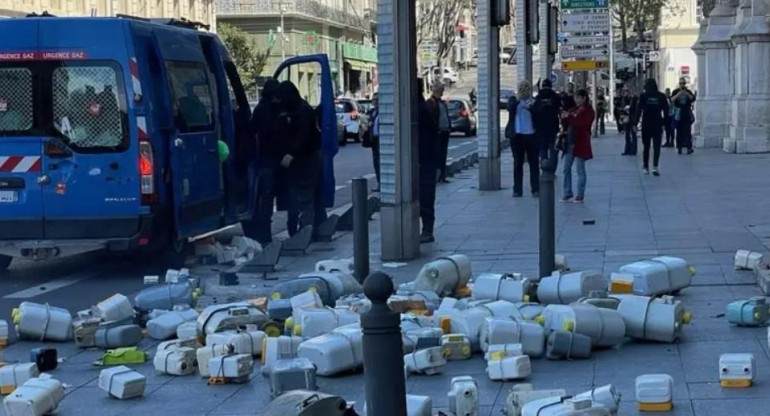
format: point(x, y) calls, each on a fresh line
point(579, 121)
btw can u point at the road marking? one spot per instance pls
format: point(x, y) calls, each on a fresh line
point(370, 176)
point(455, 146)
point(47, 287)
point(338, 187)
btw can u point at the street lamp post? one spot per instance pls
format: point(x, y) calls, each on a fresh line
point(283, 33)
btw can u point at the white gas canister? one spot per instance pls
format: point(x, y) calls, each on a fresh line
point(528, 311)
point(494, 286)
point(216, 318)
point(418, 405)
point(176, 361)
point(456, 347)
point(279, 348)
point(522, 393)
point(444, 275)
point(36, 397)
point(737, 370)
point(747, 260)
point(605, 327)
point(42, 322)
point(177, 343)
point(204, 354)
point(164, 326)
point(564, 288)
point(504, 350)
point(500, 367)
point(653, 319)
point(463, 396)
point(331, 266)
point(122, 382)
point(659, 276)
point(600, 299)
point(187, 330)
point(318, 321)
point(230, 368)
point(563, 406)
point(505, 331)
point(606, 396)
point(335, 352)
point(14, 375)
point(4, 331)
point(115, 308)
point(567, 345)
point(654, 392)
point(411, 336)
point(244, 341)
point(465, 322)
point(426, 361)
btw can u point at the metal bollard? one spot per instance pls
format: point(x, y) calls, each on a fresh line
point(383, 351)
point(547, 217)
point(360, 228)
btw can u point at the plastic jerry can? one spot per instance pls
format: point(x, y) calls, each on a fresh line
point(118, 336)
point(654, 392)
point(204, 354)
point(427, 361)
point(164, 296)
point(279, 348)
point(125, 355)
point(187, 330)
point(504, 350)
point(319, 321)
point(653, 319)
point(164, 326)
point(500, 367)
point(216, 318)
point(528, 311)
point(46, 359)
point(418, 405)
point(338, 283)
point(456, 347)
point(304, 300)
point(43, 322)
point(567, 345)
point(605, 327)
point(530, 335)
point(606, 396)
point(512, 288)
point(747, 260)
point(659, 276)
point(230, 368)
point(522, 394)
point(176, 362)
point(411, 337)
point(115, 308)
point(737, 370)
point(444, 275)
point(751, 312)
point(600, 299)
point(292, 288)
point(36, 397)
point(621, 283)
point(279, 308)
point(467, 322)
point(564, 288)
point(122, 382)
point(4, 331)
point(463, 396)
point(244, 341)
point(306, 403)
point(335, 352)
point(84, 331)
point(294, 374)
point(330, 266)
point(177, 343)
point(13, 375)
point(561, 406)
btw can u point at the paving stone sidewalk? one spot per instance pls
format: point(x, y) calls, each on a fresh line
point(702, 208)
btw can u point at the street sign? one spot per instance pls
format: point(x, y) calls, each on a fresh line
point(645, 46)
point(584, 53)
point(584, 65)
point(654, 56)
point(586, 22)
point(554, 77)
point(584, 4)
point(586, 40)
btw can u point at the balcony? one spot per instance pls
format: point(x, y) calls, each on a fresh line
point(308, 9)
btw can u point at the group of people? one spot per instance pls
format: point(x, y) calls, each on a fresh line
point(540, 127)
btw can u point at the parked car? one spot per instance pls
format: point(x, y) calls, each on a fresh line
point(341, 133)
point(504, 96)
point(462, 116)
point(352, 118)
point(450, 75)
point(364, 105)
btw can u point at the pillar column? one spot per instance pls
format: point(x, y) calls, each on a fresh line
point(700, 55)
point(488, 93)
point(719, 60)
point(523, 50)
point(739, 75)
point(545, 64)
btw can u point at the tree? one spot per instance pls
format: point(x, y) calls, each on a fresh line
point(438, 20)
point(638, 16)
point(249, 59)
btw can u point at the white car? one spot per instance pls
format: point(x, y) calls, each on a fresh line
point(450, 75)
point(351, 118)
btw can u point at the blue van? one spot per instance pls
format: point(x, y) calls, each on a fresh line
point(109, 131)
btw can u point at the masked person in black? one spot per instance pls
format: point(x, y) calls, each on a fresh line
point(428, 139)
point(653, 111)
point(303, 158)
point(546, 111)
point(628, 105)
point(683, 100)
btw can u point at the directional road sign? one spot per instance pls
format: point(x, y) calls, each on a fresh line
point(584, 53)
point(584, 4)
point(586, 22)
point(586, 40)
point(645, 46)
point(654, 56)
point(584, 65)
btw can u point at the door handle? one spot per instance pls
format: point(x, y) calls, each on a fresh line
point(43, 179)
point(179, 143)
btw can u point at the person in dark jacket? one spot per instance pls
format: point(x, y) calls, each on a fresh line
point(652, 110)
point(683, 100)
point(579, 120)
point(524, 143)
point(546, 111)
point(303, 158)
point(428, 142)
point(374, 136)
point(601, 110)
point(628, 104)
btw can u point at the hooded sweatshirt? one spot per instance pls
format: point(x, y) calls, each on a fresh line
point(264, 125)
point(298, 123)
point(652, 107)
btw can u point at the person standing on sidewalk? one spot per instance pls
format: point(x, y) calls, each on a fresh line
point(444, 127)
point(579, 122)
point(372, 136)
point(669, 127)
point(683, 100)
point(653, 112)
point(524, 143)
point(601, 111)
point(628, 103)
point(546, 112)
point(428, 142)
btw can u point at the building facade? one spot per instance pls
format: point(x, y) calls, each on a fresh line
point(342, 29)
point(677, 34)
point(196, 10)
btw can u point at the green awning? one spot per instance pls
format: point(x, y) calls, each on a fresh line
point(357, 65)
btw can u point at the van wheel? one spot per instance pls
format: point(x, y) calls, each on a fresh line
point(5, 262)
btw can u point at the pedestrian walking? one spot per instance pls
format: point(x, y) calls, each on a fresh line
point(428, 143)
point(521, 132)
point(546, 111)
point(578, 145)
point(669, 127)
point(473, 97)
point(683, 100)
point(628, 103)
point(652, 110)
point(444, 127)
point(601, 111)
point(617, 109)
point(372, 136)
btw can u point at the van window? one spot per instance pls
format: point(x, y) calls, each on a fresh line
point(193, 101)
point(86, 106)
point(16, 105)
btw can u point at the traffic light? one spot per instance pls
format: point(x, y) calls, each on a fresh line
point(532, 21)
point(501, 12)
point(553, 30)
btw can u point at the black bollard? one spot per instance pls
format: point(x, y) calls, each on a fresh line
point(360, 228)
point(547, 217)
point(383, 351)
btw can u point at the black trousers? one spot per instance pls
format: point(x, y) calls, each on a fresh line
point(443, 137)
point(669, 133)
point(428, 197)
point(305, 181)
point(654, 135)
point(600, 121)
point(376, 157)
point(684, 135)
point(526, 145)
